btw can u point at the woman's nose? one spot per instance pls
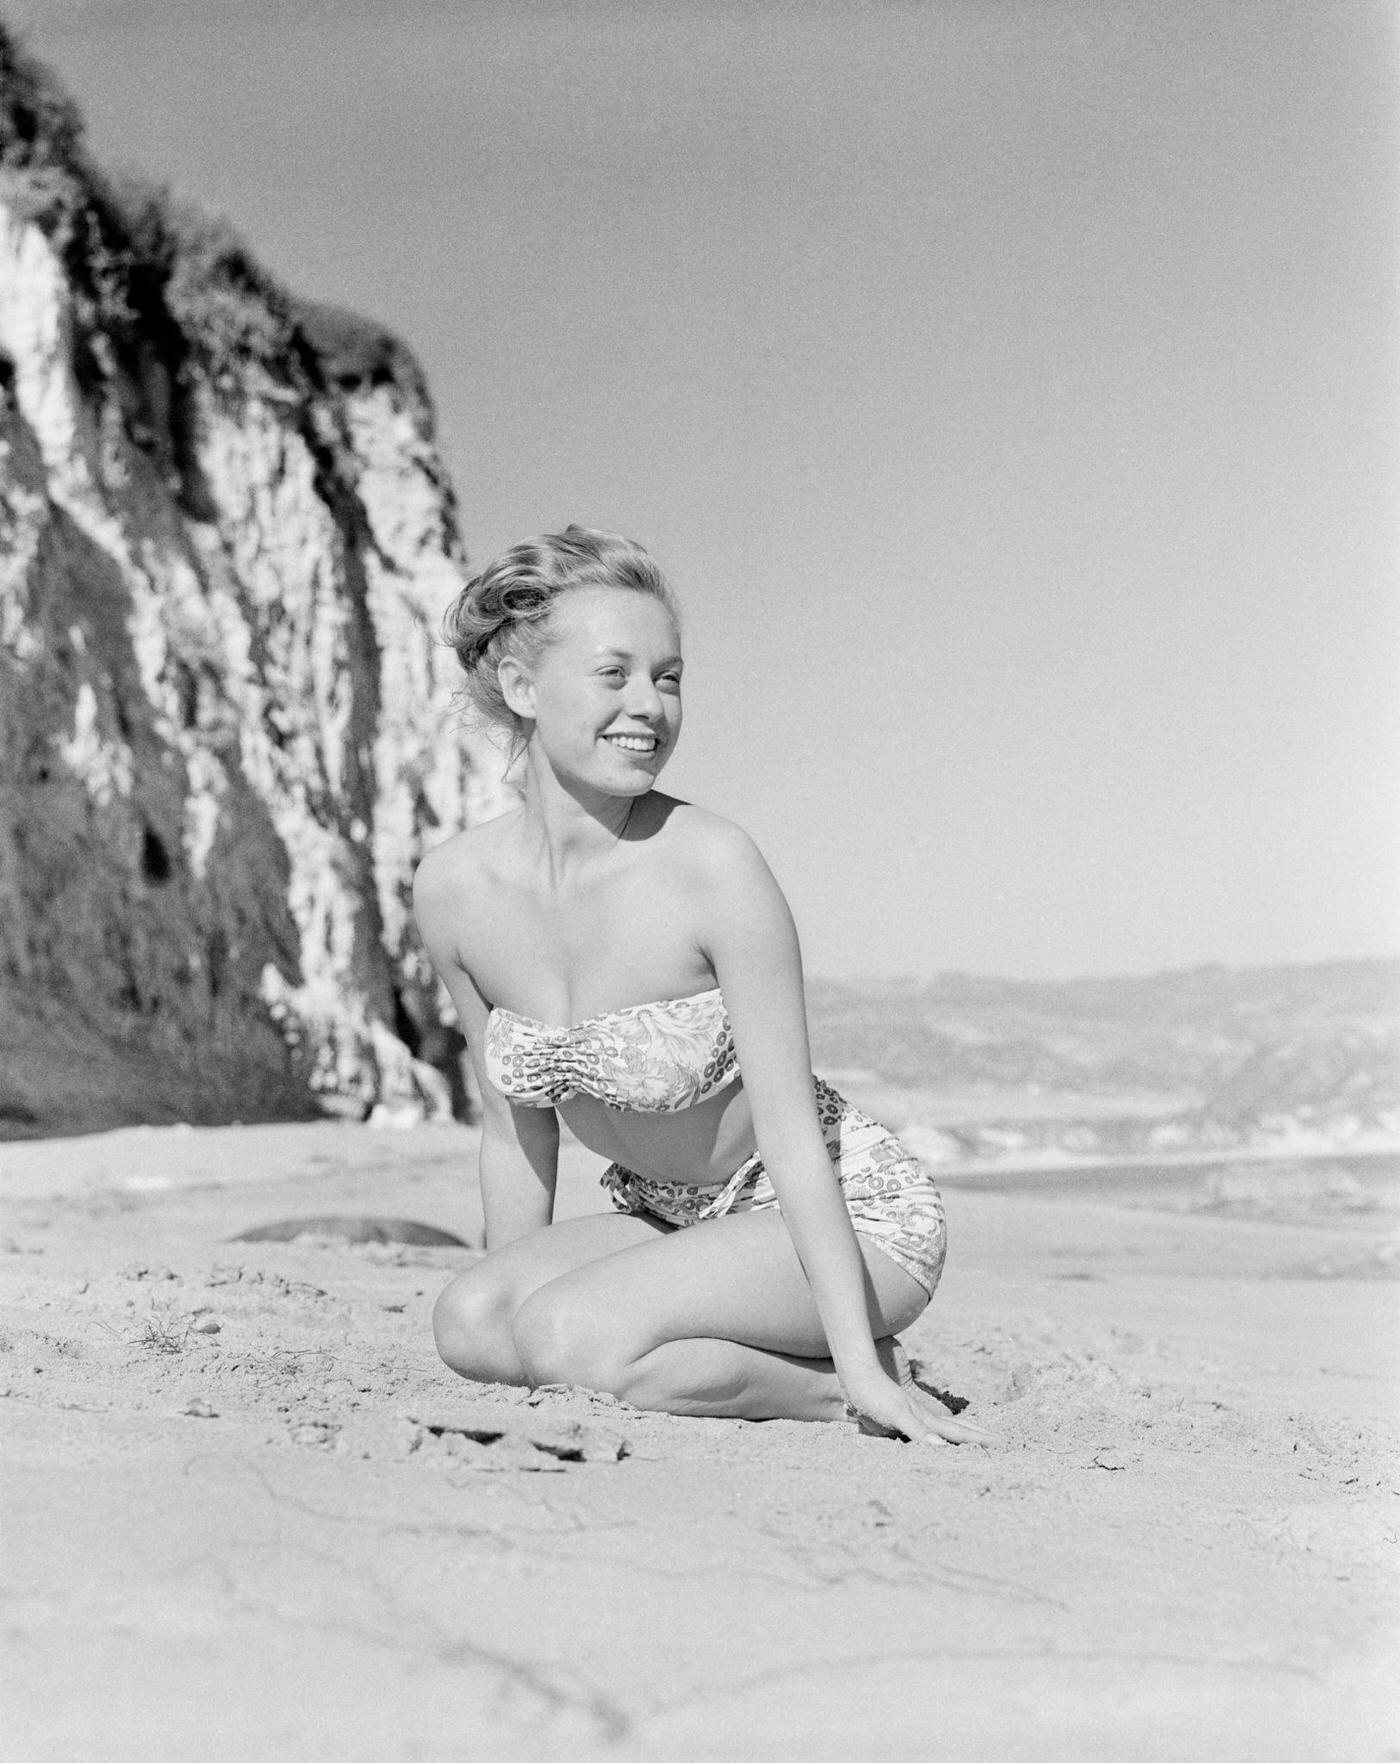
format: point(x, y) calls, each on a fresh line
point(644, 701)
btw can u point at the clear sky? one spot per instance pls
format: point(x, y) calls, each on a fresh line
point(1010, 388)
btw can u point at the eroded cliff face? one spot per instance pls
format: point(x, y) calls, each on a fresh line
point(226, 735)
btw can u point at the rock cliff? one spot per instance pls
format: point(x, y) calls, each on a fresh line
point(226, 538)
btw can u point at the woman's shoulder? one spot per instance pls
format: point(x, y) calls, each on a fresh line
point(702, 841)
point(457, 891)
point(715, 866)
point(464, 861)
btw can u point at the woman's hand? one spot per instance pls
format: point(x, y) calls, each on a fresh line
point(887, 1409)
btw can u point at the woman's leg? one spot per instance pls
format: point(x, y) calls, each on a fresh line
point(714, 1319)
point(475, 1315)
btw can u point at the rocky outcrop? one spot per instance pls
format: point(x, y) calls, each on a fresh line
point(226, 538)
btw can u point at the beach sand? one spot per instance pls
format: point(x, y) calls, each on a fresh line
point(248, 1514)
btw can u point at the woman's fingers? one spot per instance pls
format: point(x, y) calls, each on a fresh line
point(930, 1428)
point(961, 1432)
point(903, 1410)
point(920, 1423)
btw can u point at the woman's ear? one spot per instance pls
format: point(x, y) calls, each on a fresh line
point(517, 688)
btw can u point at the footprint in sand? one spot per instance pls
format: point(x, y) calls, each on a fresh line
point(498, 1443)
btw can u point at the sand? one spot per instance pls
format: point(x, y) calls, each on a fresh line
point(249, 1515)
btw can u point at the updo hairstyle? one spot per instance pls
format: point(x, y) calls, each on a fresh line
point(505, 610)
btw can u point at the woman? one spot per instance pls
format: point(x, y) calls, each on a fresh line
point(617, 958)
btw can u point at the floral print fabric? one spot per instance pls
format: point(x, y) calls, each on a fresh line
point(891, 1200)
point(655, 1058)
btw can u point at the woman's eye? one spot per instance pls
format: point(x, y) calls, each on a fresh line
point(614, 673)
point(670, 679)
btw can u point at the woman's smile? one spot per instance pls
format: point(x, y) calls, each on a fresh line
point(644, 745)
point(610, 675)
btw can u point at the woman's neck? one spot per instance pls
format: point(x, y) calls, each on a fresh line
point(575, 828)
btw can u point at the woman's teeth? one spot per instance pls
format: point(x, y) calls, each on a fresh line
point(634, 743)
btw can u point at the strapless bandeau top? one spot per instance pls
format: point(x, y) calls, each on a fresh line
point(656, 1058)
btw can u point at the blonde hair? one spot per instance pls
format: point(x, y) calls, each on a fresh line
point(505, 609)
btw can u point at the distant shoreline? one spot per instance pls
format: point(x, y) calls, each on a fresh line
point(1358, 1191)
point(1051, 1163)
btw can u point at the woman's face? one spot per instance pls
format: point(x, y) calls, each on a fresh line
point(605, 694)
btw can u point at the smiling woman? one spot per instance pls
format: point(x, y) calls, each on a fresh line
point(624, 961)
point(502, 614)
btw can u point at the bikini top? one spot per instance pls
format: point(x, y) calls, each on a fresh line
point(655, 1058)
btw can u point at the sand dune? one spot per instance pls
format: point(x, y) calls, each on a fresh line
point(249, 1514)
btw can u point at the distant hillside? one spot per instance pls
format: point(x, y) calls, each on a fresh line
point(1294, 1056)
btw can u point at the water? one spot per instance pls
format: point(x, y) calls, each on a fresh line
point(1338, 1190)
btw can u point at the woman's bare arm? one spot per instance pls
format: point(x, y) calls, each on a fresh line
point(752, 944)
point(519, 1146)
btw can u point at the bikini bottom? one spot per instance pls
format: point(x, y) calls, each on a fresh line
point(891, 1201)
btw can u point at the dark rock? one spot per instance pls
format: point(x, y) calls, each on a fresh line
point(353, 1230)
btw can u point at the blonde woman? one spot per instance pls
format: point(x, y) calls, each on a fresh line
point(625, 962)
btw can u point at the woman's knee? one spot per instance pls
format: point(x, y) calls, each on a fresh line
point(472, 1327)
point(559, 1338)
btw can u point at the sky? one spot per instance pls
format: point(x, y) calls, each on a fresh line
point(1010, 388)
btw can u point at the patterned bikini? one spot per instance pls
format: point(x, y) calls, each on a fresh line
point(662, 1057)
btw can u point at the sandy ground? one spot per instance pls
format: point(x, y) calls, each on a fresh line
point(297, 1537)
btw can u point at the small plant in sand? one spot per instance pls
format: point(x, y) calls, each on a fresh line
point(164, 1332)
point(295, 1362)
